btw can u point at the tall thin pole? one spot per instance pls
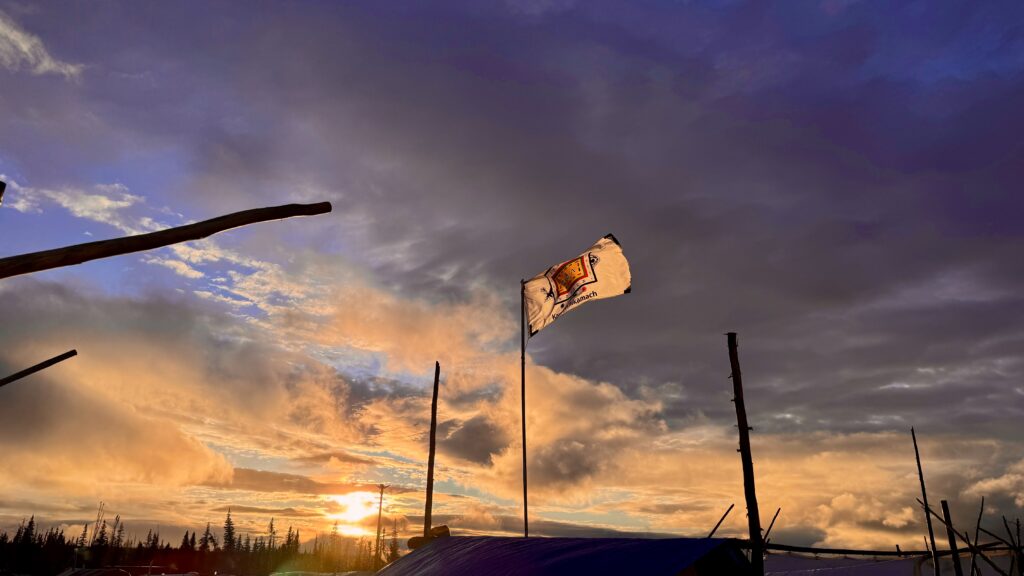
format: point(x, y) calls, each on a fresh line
point(951, 535)
point(924, 498)
point(522, 359)
point(753, 516)
point(380, 509)
point(430, 459)
point(38, 367)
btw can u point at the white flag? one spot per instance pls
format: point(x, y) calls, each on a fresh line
point(600, 272)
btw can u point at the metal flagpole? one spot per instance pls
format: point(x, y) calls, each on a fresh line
point(522, 358)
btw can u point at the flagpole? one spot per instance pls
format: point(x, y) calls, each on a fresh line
point(522, 358)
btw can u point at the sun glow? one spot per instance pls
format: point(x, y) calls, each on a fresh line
point(354, 506)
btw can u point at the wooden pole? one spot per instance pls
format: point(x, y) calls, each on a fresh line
point(380, 510)
point(1017, 560)
point(430, 458)
point(720, 520)
point(924, 497)
point(753, 516)
point(886, 553)
point(38, 367)
point(967, 540)
point(977, 535)
point(79, 253)
point(3, 187)
point(951, 535)
point(771, 524)
point(1020, 551)
point(522, 360)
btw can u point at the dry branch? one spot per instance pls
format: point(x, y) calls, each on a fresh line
point(768, 532)
point(966, 538)
point(71, 255)
point(41, 366)
point(720, 520)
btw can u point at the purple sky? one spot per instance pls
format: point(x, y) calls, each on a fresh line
point(837, 181)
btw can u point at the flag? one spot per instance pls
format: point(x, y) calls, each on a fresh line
point(600, 272)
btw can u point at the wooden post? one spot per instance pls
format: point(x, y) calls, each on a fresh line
point(951, 535)
point(1018, 558)
point(522, 360)
point(720, 520)
point(771, 524)
point(977, 535)
point(38, 367)
point(430, 459)
point(79, 253)
point(924, 498)
point(967, 540)
point(753, 516)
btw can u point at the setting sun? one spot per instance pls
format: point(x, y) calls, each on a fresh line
point(355, 506)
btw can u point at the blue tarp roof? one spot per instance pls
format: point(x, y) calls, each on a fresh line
point(493, 556)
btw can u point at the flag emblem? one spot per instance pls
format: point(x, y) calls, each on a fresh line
point(571, 276)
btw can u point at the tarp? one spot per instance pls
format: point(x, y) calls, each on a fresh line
point(492, 556)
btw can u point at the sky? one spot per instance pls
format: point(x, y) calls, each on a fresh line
point(837, 181)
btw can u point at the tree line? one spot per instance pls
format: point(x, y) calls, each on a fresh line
point(31, 550)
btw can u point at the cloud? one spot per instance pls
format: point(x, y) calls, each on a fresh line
point(840, 187)
point(1011, 484)
point(477, 439)
point(273, 512)
point(69, 439)
point(180, 268)
point(266, 481)
point(106, 204)
point(20, 49)
point(335, 457)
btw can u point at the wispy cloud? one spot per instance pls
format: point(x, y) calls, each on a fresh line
point(102, 203)
point(20, 49)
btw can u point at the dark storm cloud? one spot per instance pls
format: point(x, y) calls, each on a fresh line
point(325, 457)
point(787, 173)
point(476, 439)
point(290, 512)
point(267, 481)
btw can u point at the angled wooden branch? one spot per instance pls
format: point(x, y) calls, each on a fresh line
point(991, 547)
point(38, 367)
point(720, 520)
point(966, 538)
point(71, 255)
point(768, 532)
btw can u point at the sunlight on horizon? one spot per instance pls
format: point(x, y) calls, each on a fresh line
point(355, 507)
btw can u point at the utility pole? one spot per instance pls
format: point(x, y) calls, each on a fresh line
point(380, 510)
point(753, 516)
